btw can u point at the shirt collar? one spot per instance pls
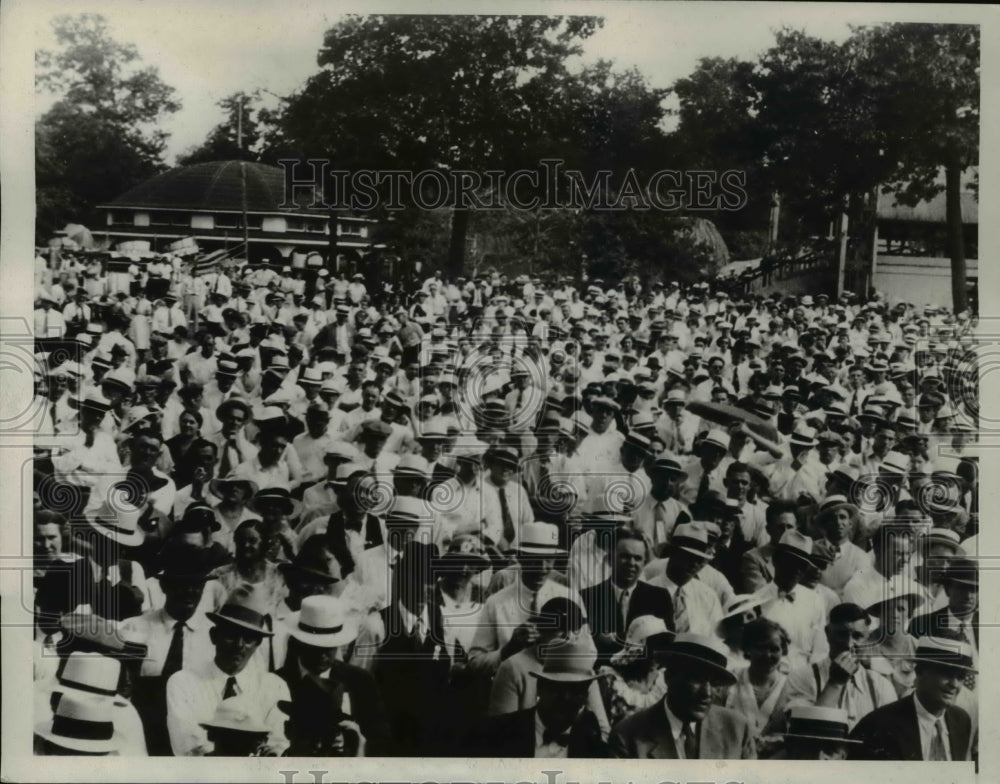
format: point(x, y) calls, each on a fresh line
point(924, 716)
point(676, 725)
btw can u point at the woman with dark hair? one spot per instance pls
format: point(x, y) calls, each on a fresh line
point(760, 693)
point(189, 423)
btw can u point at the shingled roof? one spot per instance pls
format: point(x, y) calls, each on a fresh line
point(932, 211)
point(216, 186)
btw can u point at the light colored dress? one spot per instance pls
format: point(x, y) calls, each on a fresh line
point(622, 699)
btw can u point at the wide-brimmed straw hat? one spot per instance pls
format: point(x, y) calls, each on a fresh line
point(82, 723)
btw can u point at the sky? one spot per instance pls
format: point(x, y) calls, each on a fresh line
point(207, 49)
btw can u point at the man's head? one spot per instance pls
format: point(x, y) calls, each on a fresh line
point(564, 682)
point(941, 666)
point(847, 629)
point(961, 584)
point(49, 533)
point(891, 547)
point(695, 667)
point(238, 632)
point(779, 518)
point(630, 556)
point(737, 481)
point(688, 552)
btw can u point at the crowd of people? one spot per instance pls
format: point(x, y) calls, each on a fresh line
point(524, 517)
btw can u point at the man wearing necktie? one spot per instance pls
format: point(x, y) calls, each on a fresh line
point(960, 617)
point(194, 693)
point(175, 637)
point(613, 604)
point(686, 724)
point(925, 726)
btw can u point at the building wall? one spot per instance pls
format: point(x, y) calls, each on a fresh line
point(918, 279)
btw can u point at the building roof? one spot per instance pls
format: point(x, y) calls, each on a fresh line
point(932, 211)
point(217, 186)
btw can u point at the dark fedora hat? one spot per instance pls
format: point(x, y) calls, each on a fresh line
point(698, 652)
point(241, 611)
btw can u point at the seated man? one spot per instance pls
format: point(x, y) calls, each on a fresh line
point(686, 724)
point(841, 681)
point(194, 694)
point(559, 725)
point(507, 624)
point(925, 725)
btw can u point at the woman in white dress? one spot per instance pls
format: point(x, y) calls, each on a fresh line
point(760, 693)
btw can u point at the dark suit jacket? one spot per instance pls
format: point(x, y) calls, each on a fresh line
point(723, 734)
point(367, 707)
point(513, 735)
point(891, 733)
point(413, 683)
point(935, 624)
point(603, 614)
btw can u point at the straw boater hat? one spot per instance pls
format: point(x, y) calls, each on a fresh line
point(322, 622)
point(817, 723)
point(946, 653)
point(82, 723)
point(699, 652)
point(465, 552)
point(277, 495)
point(94, 400)
point(236, 715)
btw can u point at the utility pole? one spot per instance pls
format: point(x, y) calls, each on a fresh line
point(239, 126)
point(842, 250)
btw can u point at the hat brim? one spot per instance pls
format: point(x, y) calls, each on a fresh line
point(313, 575)
point(821, 738)
point(347, 634)
point(114, 743)
point(226, 725)
point(134, 539)
point(703, 555)
point(249, 485)
point(564, 677)
point(292, 507)
point(542, 551)
point(216, 618)
point(721, 672)
point(792, 552)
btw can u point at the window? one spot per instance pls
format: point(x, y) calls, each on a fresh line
point(227, 220)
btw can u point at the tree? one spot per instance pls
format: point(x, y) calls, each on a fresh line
point(926, 79)
point(432, 92)
point(102, 135)
point(239, 137)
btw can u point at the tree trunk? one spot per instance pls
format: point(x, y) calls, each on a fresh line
point(956, 240)
point(456, 248)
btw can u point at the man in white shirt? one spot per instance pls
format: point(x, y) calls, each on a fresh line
point(505, 503)
point(508, 622)
point(696, 605)
point(892, 547)
point(177, 635)
point(841, 680)
point(799, 610)
point(194, 693)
